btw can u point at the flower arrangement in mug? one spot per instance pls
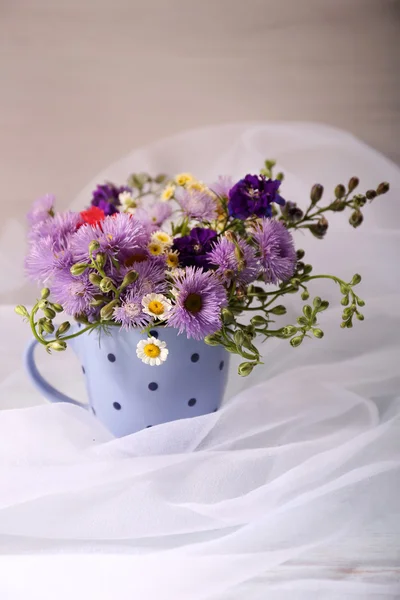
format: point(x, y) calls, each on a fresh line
point(228, 251)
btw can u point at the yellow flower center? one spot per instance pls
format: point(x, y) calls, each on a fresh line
point(156, 307)
point(151, 350)
point(163, 237)
point(172, 260)
point(155, 249)
point(184, 178)
point(193, 303)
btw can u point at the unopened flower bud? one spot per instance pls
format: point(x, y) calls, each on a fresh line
point(382, 188)
point(300, 254)
point(45, 293)
point(258, 320)
point(353, 183)
point(95, 279)
point(47, 326)
point(64, 327)
point(360, 317)
point(360, 302)
point(93, 246)
point(371, 194)
point(338, 205)
point(229, 274)
point(340, 191)
point(227, 316)
point(57, 307)
point(307, 311)
point(129, 278)
point(238, 337)
point(356, 279)
point(278, 310)
point(356, 218)
point(317, 302)
point(289, 330)
point(107, 311)
point(245, 369)
point(318, 333)
point(319, 228)
point(316, 193)
point(21, 311)
point(78, 269)
point(296, 341)
point(100, 260)
point(305, 295)
point(212, 340)
point(324, 305)
point(49, 313)
point(57, 345)
point(106, 284)
point(238, 253)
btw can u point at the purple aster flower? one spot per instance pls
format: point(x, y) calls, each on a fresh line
point(130, 313)
point(276, 250)
point(73, 293)
point(42, 209)
point(45, 258)
point(106, 197)
point(241, 267)
point(197, 205)
point(253, 195)
point(199, 299)
point(193, 248)
point(151, 276)
point(153, 217)
point(119, 236)
point(59, 228)
point(222, 186)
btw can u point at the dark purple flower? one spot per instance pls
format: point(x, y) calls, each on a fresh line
point(106, 197)
point(253, 195)
point(276, 250)
point(193, 248)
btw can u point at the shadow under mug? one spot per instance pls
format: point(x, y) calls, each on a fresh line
point(127, 395)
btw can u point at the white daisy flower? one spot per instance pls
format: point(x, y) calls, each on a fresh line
point(168, 193)
point(156, 305)
point(128, 203)
point(162, 238)
point(152, 351)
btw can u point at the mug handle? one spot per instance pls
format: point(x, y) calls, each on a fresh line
point(50, 392)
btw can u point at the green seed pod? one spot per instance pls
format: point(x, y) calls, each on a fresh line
point(21, 311)
point(212, 340)
point(129, 278)
point(58, 346)
point(45, 293)
point(64, 327)
point(344, 301)
point(371, 194)
point(316, 193)
point(356, 279)
point(307, 311)
point(106, 284)
point(227, 316)
point(318, 333)
point(258, 320)
point(360, 302)
point(107, 311)
point(360, 317)
point(245, 368)
point(94, 246)
point(340, 191)
point(382, 188)
point(305, 295)
point(57, 307)
point(296, 341)
point(95, 279)
point(238, 337)
point(344, 289)
point(78, 269)
point(324, 305)
point(300, 254)
point(317, 302)
point(353, 183)
point(278, 310)
point(47, 326)
point(356, 218)
point(100, 260)
point(49, 313)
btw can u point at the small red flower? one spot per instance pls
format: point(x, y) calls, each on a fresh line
point(92, 215)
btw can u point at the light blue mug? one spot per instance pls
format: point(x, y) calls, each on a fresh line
point(127, 395)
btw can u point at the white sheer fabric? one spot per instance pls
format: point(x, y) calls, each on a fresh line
point(291, 491)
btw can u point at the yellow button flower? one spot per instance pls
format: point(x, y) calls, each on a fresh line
point(183, 178)
point(168, 192)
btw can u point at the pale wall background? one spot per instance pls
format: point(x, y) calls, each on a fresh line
point(83, 82)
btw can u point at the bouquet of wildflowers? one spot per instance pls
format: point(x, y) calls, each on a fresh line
point(162, 252)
